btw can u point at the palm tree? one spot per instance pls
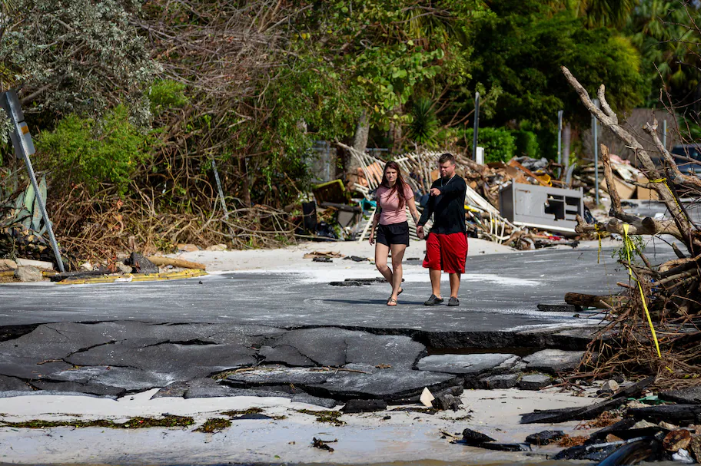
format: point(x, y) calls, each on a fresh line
point(665, 36)
point(599, 13)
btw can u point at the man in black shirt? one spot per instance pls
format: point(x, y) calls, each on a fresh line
point(446, 245)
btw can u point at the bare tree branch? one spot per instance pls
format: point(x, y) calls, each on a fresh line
point(684, 230)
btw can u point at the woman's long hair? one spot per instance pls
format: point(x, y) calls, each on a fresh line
point(399, 186)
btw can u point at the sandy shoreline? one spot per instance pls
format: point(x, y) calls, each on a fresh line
point(365, 438)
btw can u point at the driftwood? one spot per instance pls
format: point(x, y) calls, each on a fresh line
point(590, 300)
point(580, 413)
point(158, 260)
point(681, 414)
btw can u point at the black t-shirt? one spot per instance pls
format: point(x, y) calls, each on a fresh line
point(448, 208)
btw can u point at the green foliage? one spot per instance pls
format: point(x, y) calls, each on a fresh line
point(77, 57)
point(521, 47)
point(391, 49)
point(424, 125)
point(664, 31)
point(526, 143)
point(499, 144)
point(600, 13)
point(93, 152)
point(634, 249)
point(165, 94)
point(25, 211)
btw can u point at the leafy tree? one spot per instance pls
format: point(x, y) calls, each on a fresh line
point(499, 144)
point(93, 152)
point(76, 57)
point(664, 31)
point(599, 13)
point(520, 48)
point(526, 143)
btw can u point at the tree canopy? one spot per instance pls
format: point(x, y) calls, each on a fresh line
point(252, 84)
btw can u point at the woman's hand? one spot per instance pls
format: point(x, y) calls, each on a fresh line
point(372, 238)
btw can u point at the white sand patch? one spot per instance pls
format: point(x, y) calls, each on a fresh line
point(366, 438)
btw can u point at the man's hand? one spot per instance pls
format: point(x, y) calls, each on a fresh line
point(420, 232)
point(435, 192)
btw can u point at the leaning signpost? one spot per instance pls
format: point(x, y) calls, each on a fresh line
point(24, 147)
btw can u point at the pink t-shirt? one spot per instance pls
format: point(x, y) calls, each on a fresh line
point(389, 202)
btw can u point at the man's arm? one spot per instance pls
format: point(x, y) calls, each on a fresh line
point(426, 214)
point(457, 186)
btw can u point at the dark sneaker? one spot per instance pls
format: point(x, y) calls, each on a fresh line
point(453, 301)
point(433, 300)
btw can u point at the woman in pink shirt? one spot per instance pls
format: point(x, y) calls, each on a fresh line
point(393, 197)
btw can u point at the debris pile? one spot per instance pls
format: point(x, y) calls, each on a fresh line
point(487, 214)
point(653, 323)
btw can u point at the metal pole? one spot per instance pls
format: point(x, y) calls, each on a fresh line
point(44, 214)
point(476, 129)
point(595, 129)
point(664, 134)
point(24, 147)
point(559, 140)
point(221, 191)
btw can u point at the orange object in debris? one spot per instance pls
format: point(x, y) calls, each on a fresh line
point(515, 164)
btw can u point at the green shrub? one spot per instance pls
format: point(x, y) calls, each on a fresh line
point(165, 94)
point(526, 143)
point(424, 125)
point(499, 144)
point(93, 152)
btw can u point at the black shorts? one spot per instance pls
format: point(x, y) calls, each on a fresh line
point(395, 233)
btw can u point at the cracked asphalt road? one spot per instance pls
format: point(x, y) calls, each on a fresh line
point(113, 339)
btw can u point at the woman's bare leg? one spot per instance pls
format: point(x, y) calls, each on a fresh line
point(397, 271)
point(381, 253)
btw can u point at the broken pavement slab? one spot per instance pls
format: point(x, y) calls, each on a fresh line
point(182, 362)
point(388, 385)
point(8, 384)
point(42, 265)
point(501, 381)
point(534, 381)
point(553, 360)
point(7, 265)
point(336, 347)
point(28, 274)
point(470, 366)
point(277, 375)
point(558, 307)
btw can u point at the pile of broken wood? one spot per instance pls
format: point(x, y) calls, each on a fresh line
point(654, 322)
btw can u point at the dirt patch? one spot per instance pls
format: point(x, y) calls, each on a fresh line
point(214, 425)
point(572, 441)
point(329, 417)
point(133, 423)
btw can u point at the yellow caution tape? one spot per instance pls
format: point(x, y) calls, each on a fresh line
point(137, 277)
point(664, 180)
point(629, 247)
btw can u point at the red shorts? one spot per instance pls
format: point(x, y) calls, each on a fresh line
point(446, 252)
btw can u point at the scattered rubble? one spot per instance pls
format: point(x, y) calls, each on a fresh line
point(28, 273)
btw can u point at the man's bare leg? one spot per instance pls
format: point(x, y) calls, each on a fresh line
point(454, 284)
point(381, 253)
point(435, 282)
